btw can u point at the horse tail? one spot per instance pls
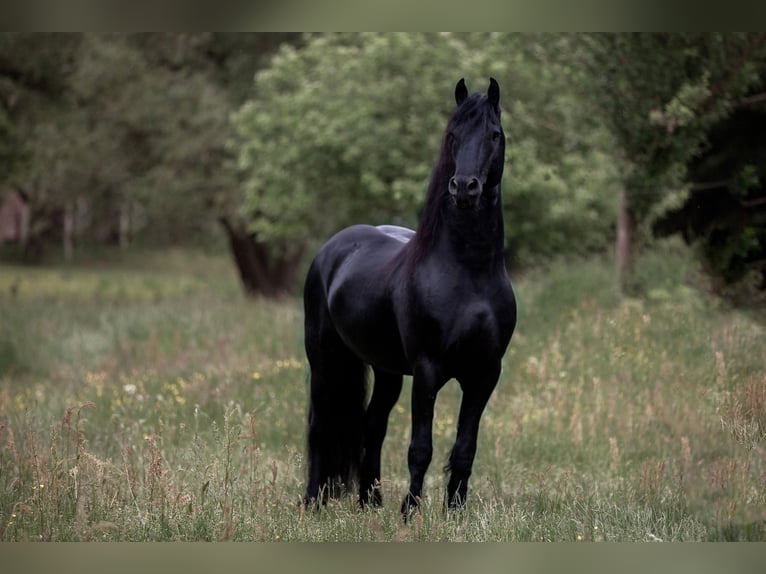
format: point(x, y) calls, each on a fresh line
point(338, 388)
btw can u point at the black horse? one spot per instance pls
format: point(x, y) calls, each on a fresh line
point(436, 304)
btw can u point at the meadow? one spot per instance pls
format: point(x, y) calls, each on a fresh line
point(146, 399)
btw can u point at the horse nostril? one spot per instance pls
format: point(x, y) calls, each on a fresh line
point(467, 186)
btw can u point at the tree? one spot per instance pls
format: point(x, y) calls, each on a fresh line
point(660, 94)
point(345, 129)
point(34, 75)
point(561, 166)
point(339, 131)
point(124, 135)
point(724, 214)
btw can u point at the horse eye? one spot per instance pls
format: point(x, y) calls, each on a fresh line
point(496, 135)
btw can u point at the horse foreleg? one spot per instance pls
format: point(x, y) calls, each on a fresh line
point(384, 396)
point(476, 393)
point(425, 385)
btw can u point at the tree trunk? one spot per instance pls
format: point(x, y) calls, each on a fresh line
point(624, 248)
point(124, 225)
point(263, 269)
point(24, 219)
point(67, 232)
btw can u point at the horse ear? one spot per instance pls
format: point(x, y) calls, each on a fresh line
point(461, 92)
point(493, 93)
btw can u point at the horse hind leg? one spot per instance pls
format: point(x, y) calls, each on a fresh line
point(385, 393)
point(336, 409)
point(335, 430)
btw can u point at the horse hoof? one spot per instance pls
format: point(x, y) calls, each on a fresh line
point(456, 502)
point(410, 505)
point(373, 499)
point(313, 504)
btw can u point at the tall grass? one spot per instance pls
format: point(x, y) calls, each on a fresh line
point(150, 401)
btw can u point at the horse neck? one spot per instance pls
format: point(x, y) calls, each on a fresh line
point(473, 238)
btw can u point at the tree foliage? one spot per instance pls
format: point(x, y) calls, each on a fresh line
point(34, 72)
point(115, 125)
point(163, 135)
point(346, 129)
point(661, 93)
point(661, 96)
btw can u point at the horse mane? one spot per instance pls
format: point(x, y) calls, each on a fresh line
point(430, 217)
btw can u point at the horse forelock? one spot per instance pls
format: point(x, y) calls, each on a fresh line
point(472, 106)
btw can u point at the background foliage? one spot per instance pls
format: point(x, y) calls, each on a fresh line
point(156, 138)
point(355, 122)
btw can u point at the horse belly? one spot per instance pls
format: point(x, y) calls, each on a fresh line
point(375, 339)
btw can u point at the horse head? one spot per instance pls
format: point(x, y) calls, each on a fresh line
point(476, 143)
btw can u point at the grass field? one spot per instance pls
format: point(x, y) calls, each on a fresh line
point(150, 401)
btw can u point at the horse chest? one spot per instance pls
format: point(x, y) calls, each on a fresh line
point(474, 331)
point(465, 323)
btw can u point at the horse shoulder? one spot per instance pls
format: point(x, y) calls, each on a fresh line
point(502, 301)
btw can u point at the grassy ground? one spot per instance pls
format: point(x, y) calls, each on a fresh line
point(149, 401)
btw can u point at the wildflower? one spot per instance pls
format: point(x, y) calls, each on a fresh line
point(129, 389)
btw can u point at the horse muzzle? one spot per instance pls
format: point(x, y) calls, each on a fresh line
point(465, 190)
